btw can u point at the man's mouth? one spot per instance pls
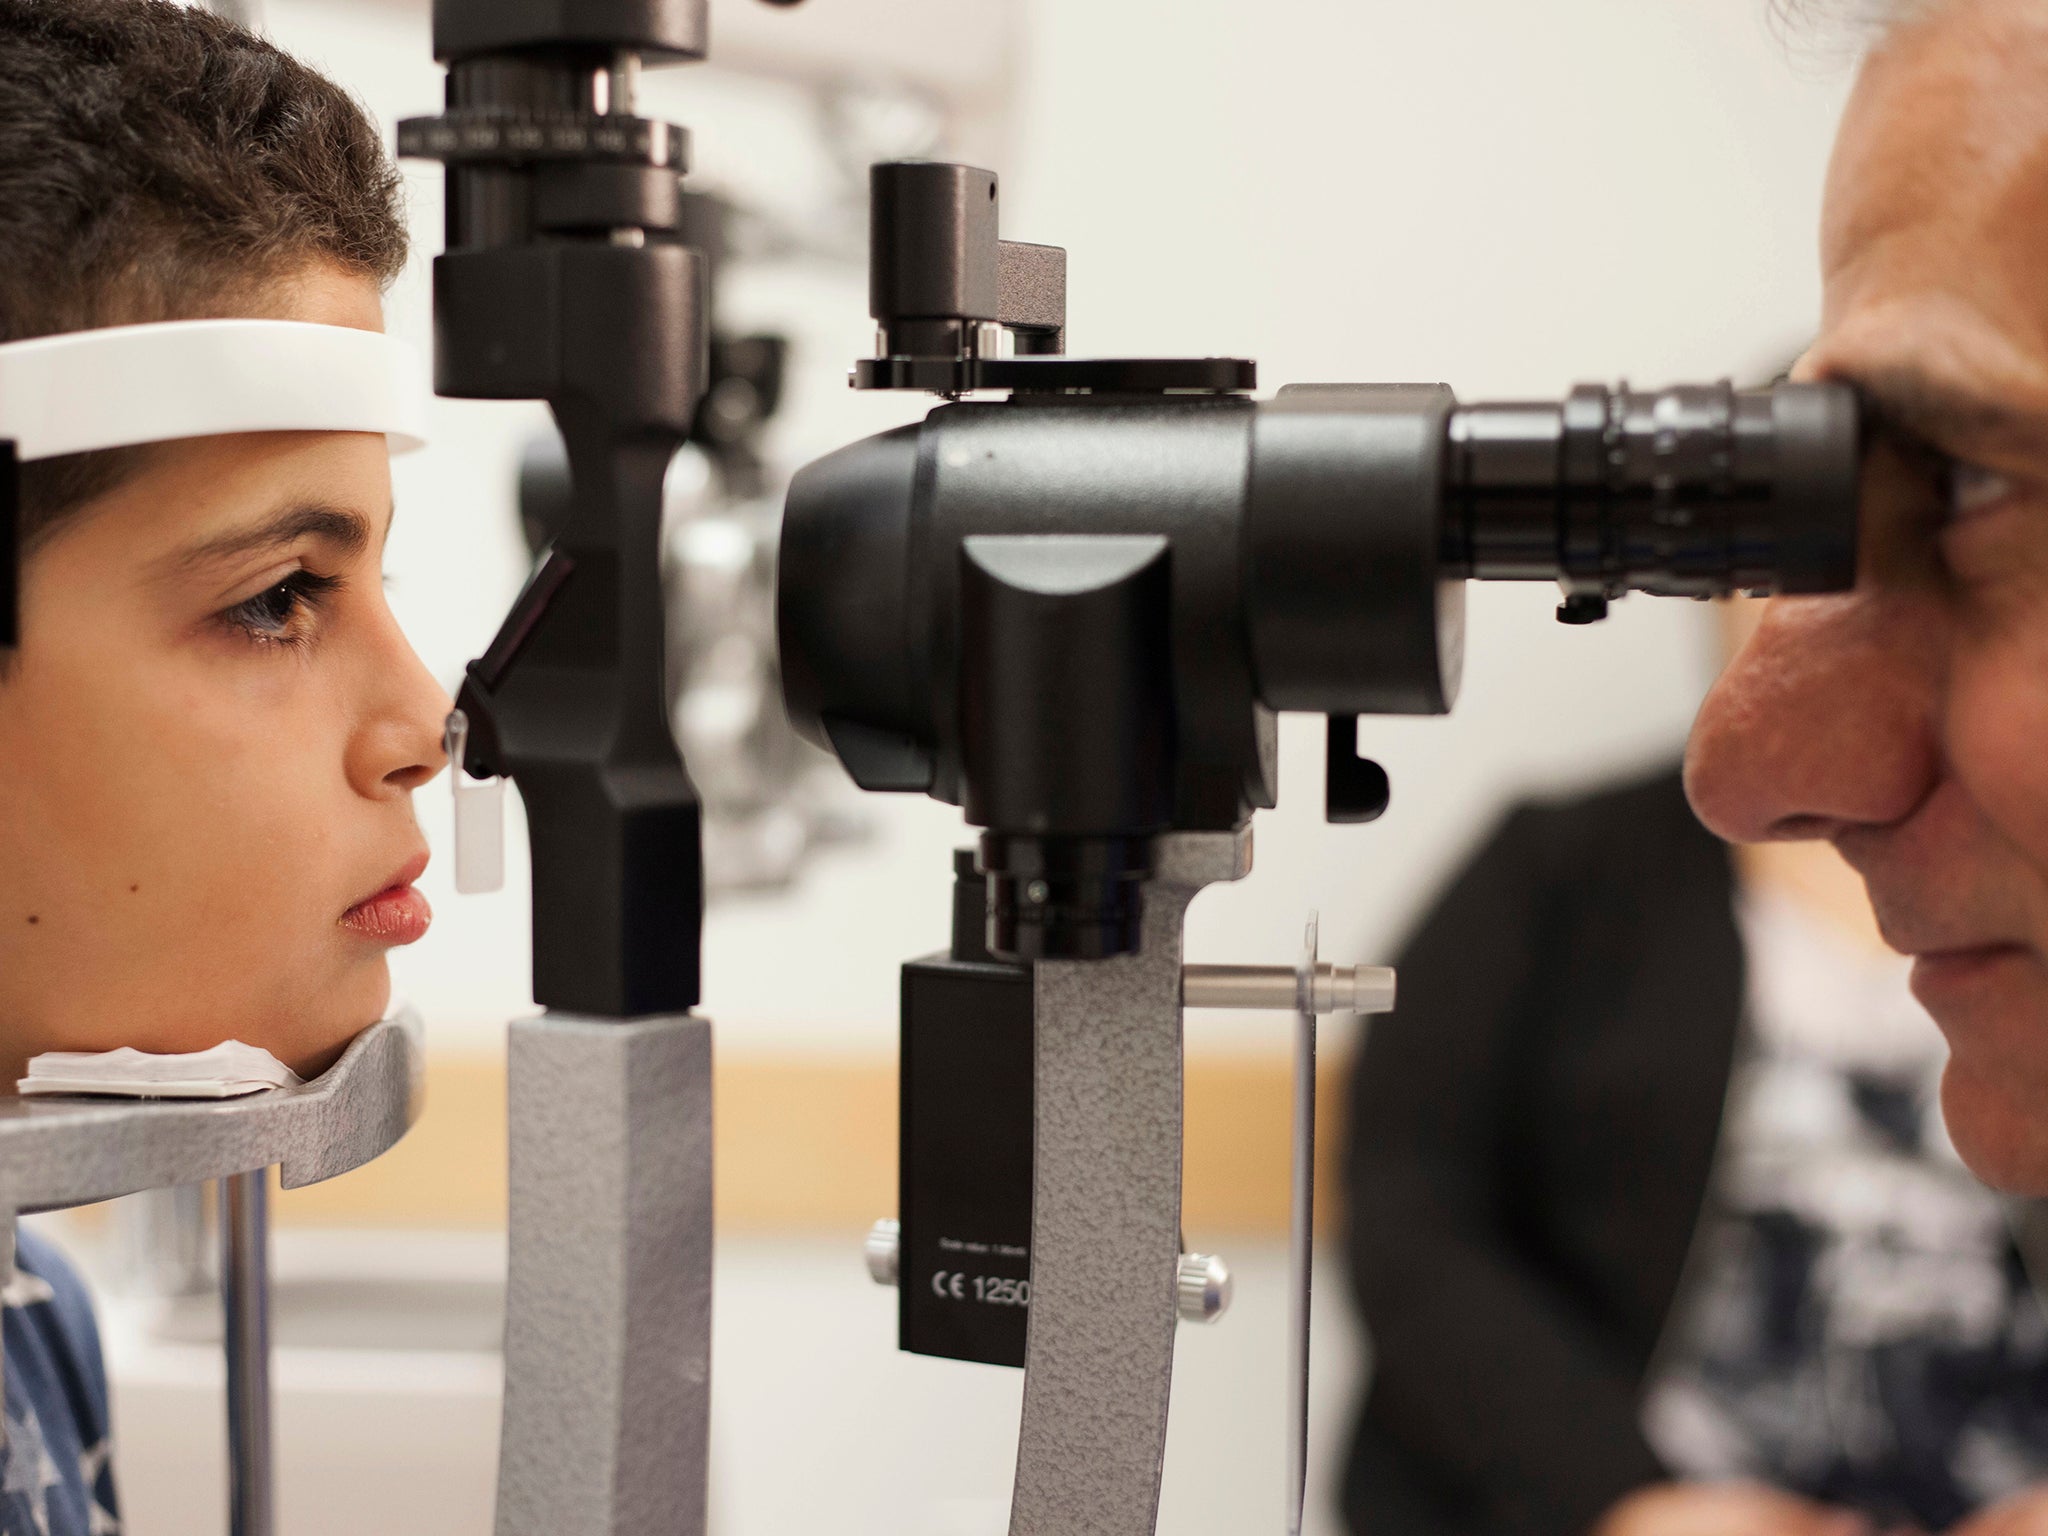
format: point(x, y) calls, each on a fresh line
point(395, 914)
point(1943, 975)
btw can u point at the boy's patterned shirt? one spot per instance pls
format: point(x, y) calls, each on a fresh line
point(55, 1476)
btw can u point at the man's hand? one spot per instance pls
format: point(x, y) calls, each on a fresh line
point(1743, 1509)
point(2024, 1514)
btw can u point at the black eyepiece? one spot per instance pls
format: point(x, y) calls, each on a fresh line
point(1695, 491)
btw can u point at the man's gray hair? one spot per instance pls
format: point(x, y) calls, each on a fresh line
point(1870, 18)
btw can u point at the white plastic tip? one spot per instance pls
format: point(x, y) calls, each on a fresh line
point(479, 818)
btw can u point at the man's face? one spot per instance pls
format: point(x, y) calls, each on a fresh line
point(1907, 721)
point(208, 747)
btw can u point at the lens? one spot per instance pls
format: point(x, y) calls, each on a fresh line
point(1695, 491)
point(1064, 898)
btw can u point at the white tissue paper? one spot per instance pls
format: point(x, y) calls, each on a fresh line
point(227, 1071)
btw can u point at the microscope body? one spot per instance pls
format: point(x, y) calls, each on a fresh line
point(566, 279)
point(569, 276)
point(1076, 615)
point(1076, 612)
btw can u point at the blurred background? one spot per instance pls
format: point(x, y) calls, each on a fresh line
point(1508, 197)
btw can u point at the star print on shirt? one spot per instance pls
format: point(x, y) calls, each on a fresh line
point(25, 1290)
point(92, 1470)
point(56, 1476)
point(30, 1473)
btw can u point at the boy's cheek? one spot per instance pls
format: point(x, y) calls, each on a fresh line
point(181, 870)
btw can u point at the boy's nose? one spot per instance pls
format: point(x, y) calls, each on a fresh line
point(399, 745)
point(1822, 722)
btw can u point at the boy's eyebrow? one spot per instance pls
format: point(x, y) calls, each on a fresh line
point(343, 527)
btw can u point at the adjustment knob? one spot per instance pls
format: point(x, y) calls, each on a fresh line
point(885, 1242)
point(1203, 1289)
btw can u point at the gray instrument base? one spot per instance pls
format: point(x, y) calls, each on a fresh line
point(1105, 1215)
point(74, 1150)
point(608, 1300)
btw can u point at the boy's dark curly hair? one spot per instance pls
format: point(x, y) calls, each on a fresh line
point(157, 163)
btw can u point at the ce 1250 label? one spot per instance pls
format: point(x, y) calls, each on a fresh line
point(995, 1290)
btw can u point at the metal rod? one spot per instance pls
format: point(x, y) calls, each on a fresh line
point(1301, 1230)
point(245, 1308)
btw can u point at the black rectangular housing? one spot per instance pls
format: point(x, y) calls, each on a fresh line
point(964, 1160)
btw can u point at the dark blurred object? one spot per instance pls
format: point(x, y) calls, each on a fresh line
point(767, 795)
point(745, 389)
point(742, 391)
point(1532, 1138)
point(1577, 1117)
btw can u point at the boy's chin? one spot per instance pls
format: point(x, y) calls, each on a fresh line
point(314, 1042)
point(1999, 1130)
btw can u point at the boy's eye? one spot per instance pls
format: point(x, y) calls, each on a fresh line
point(280, 614)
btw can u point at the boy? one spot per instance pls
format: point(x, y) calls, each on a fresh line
point(212, 727)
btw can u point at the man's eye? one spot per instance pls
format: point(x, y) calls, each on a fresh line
point(1973, 489)
point(279, 614)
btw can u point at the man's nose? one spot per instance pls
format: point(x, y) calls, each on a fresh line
point(397, 747)
point(1823, 722)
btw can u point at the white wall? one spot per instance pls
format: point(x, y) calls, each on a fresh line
point(818, 1421)
point(1508, 195)
point(1511, 197)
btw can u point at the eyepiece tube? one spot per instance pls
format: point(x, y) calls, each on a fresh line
point(1694, 491)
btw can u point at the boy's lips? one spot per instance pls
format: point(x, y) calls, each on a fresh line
point(396, 914)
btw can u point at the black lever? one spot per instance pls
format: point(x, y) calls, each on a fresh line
point(1354, 788)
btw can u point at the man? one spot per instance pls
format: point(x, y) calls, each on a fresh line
point(1906, 722)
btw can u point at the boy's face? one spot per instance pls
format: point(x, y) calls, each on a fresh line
point(208, 748)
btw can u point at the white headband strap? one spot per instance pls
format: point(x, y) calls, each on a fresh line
point(127, 384)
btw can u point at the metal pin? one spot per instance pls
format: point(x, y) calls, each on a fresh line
point(1332, 988)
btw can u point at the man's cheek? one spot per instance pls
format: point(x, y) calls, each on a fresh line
point(1995, 721)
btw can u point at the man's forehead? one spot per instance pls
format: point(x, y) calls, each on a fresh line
point(1936, 231)
point(1947, 117)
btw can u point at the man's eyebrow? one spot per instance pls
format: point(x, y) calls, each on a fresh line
point(344, 528)
point(1949, 416)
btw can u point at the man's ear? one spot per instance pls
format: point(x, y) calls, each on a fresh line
point(10, 550)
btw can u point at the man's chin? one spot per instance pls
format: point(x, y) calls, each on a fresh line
point(1999, 1124)
point(1992, 1004)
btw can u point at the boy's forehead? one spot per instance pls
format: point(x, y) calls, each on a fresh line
point(321, 293)
point(198, 501)
point(344, 529)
